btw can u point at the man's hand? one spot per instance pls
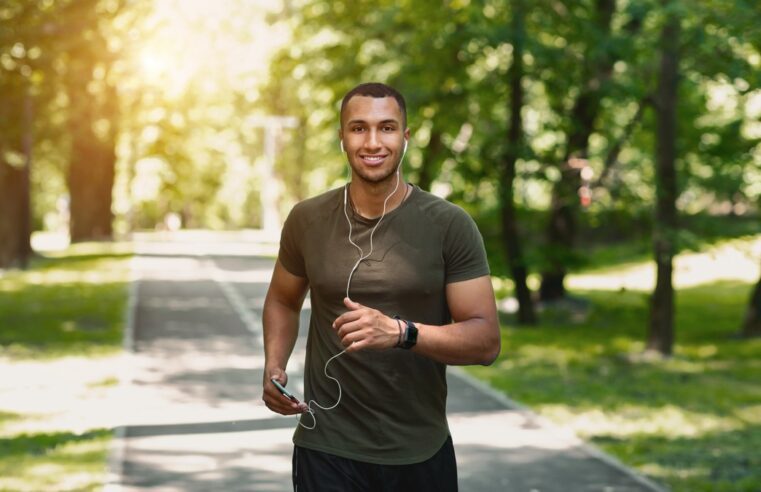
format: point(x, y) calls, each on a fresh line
point(365, 328)
point(276, 401)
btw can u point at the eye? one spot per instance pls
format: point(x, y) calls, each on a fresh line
point(388, 128)
point(357, 129)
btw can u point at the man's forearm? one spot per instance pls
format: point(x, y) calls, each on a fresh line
point(281, 328)
point(474, 341)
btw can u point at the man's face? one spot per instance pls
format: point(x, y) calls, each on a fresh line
point(373, 136)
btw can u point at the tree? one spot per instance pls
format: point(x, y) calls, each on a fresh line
point(602, 49)
point(92, 121)
point(751, 326)
point(660, 336)
point(511, 239)
point(16, 132)
point(15, 194)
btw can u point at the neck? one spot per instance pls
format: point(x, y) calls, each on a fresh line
point(368, 198)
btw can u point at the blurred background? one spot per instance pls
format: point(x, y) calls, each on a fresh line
point(608, 150)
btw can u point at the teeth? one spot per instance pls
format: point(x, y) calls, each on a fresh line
point(373, 158)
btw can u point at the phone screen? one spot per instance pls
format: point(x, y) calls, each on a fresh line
point(284, 391)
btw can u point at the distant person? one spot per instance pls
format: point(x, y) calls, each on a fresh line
point(398, 279)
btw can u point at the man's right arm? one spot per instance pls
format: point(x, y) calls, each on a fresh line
point(282, 307)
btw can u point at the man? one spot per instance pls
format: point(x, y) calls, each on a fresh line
point(398, 279)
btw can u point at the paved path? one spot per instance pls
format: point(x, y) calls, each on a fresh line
point(197, 421)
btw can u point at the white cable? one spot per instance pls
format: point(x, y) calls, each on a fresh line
point(309, 409)
point(362, 257)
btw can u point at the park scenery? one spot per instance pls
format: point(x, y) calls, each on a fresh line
point(608, 150)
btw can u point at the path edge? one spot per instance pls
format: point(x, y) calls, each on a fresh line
point(118, 447)
point(589, 449)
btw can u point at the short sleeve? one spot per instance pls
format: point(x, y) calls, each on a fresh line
point(464, 253)
point(290, 254)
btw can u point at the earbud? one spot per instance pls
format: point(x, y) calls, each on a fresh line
point(341, 143)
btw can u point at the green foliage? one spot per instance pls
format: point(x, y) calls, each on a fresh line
point(690, 421)
point(66, 306)
point(451, 59)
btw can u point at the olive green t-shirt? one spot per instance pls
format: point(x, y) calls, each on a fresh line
point(393, 407)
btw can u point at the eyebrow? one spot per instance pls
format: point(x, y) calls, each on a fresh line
point(384, 122)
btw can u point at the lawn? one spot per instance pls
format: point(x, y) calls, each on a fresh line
point(61, 325)
point(692, 421)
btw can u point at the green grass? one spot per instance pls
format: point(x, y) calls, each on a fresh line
point(692, 421)
point(54, 461)
point(70, 303)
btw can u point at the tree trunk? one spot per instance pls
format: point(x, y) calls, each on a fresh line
point(661, 330)
point(25, 204)
point(752, 323)
point(11, 241)
point(561, 228)
point(92, 166)
point(15, 206)
point(510, 234)
point(431, 161)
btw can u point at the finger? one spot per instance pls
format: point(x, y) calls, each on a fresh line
point(346, 318)
point(347, 329)
point(356, 346)
point(351, 304)
point(282, 405)
point(278, 375)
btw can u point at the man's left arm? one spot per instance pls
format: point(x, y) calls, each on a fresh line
point(472, 338)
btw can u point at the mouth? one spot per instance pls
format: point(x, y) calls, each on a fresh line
point(373, 160)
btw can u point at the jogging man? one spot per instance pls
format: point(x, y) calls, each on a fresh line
point(399, 288)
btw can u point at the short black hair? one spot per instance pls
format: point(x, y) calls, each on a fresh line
point(377, 90)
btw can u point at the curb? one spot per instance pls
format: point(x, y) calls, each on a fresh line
point(119, 443)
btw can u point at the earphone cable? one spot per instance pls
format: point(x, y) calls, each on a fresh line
point(362, 257)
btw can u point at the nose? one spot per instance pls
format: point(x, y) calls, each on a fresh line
point(372, 141)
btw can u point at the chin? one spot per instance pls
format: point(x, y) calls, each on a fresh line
point(374, 175)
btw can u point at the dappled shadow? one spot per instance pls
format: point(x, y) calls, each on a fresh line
point(216, 386)
point(229, 471)
point(491, 468)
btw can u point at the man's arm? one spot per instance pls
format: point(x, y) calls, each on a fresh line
point(280, 320)
point(473, 337)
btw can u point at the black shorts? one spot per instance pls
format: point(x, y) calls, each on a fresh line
point(315, 471)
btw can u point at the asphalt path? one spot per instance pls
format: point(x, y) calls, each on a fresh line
point(196, 419)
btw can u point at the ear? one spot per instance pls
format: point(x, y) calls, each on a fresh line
point(341, 139)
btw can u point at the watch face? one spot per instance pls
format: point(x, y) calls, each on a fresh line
point(410, 335)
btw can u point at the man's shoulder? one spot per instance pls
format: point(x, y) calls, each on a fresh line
point(439, 209)
point(316, 205)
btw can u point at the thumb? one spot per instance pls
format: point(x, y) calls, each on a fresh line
point(280, 376)
point(351, 304)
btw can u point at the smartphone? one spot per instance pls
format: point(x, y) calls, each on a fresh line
point(284, 391)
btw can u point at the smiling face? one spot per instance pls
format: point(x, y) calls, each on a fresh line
point(373, 135)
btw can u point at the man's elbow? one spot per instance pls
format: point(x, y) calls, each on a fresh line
point(492, 347)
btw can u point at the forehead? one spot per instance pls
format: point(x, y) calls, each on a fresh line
point(371, 109)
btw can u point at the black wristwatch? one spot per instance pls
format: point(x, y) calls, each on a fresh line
point(410, 335)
